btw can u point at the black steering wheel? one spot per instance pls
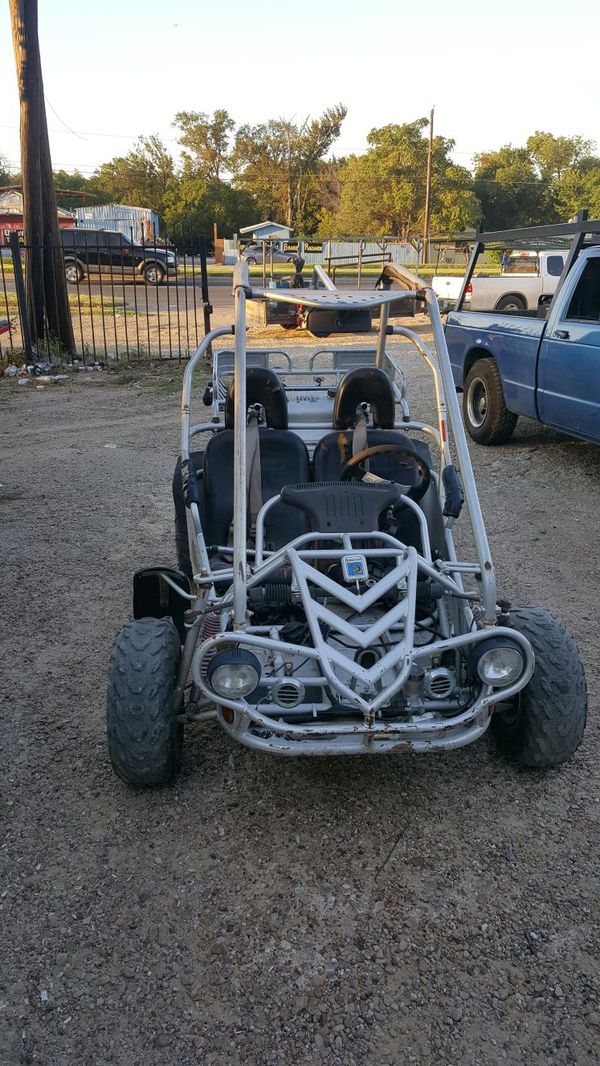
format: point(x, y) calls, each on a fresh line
point(353, 468)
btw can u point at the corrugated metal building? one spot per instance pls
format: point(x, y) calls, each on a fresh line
point(138, 222)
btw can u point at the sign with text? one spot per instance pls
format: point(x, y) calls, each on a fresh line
point(313, 247)
point(291, 246)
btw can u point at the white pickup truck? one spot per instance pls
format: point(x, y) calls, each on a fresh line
point(525, 278)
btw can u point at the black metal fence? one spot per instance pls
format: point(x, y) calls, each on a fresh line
point(128, 299)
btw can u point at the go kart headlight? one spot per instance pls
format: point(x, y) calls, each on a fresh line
point(233, 673)
point(498, 662)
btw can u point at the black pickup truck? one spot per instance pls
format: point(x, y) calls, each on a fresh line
point(97, 251)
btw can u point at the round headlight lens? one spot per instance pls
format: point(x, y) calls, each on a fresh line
point(500, 665)
point(233, 674)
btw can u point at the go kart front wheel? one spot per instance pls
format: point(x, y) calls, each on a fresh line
point(544, 724)
point(144, 738)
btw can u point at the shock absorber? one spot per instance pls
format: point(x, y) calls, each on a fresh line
point(211, 625)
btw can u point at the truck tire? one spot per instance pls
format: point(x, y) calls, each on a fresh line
point(154, 274)
point(144, 738)
point(485, 413)
point(511, 303)
point(544, 724)
point(73, 271)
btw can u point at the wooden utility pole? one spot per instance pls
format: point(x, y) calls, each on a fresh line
point(45, 271)
point(428, 188)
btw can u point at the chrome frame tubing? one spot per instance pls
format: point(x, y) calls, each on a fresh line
point(324, 278)
point(440, 403)
point(186, 414)
point(384, 314)
point(488, 577)
point(266, 507)
point(240, 285)
point(377, 742)
point(369, 723)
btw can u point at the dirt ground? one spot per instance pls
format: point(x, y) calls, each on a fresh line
point(431, 910)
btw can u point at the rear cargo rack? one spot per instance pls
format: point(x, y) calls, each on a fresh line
point(536, 236)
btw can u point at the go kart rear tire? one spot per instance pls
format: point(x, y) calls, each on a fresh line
point(144, 738)
point(486, 416)
point(544, 725)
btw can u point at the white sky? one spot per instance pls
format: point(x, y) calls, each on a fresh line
point(495, 71)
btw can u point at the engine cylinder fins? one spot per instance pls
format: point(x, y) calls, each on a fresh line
point(287, 693)
point(440, 683)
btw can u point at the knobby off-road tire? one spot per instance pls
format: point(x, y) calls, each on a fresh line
point(486, 416)
point(144, 739)
point(545, 723)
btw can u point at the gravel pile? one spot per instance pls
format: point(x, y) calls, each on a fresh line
point(435, 910)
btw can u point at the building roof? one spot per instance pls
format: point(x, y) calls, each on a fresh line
point(261, 225)
point(11, 203)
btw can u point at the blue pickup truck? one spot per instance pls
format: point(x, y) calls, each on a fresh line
point(544, 365)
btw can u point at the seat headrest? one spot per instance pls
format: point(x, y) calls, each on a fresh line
point(364, 385)
point(263, 386)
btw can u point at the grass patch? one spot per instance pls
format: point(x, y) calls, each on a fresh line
point(455, 270)
point(218, 271)
point(162, 377)
point(95, 305)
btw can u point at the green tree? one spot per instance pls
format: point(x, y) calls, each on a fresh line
point(192, 206)
point(205, 141)
point(579, 188)
point(383, 191)
point(510, 190)
point(553, 156)
point(5, 176)
point(569, 169)
point(66, 185)
point(142, 177)
point(280, 164)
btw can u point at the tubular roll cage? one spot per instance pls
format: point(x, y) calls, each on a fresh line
point(448, 410)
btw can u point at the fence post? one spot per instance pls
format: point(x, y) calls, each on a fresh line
point(206, 304)
point(21, 299)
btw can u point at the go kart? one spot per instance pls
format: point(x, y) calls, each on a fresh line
point(319, 606)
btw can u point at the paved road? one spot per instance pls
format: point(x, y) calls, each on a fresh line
point(172, 296)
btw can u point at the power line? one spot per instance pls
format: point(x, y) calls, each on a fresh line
point(54, 112)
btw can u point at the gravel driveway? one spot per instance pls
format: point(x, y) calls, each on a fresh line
point(433, 910)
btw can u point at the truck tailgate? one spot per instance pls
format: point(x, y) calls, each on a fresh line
point(447, 290)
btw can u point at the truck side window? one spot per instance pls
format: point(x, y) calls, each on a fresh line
point(585, 301)
point(555, 265)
